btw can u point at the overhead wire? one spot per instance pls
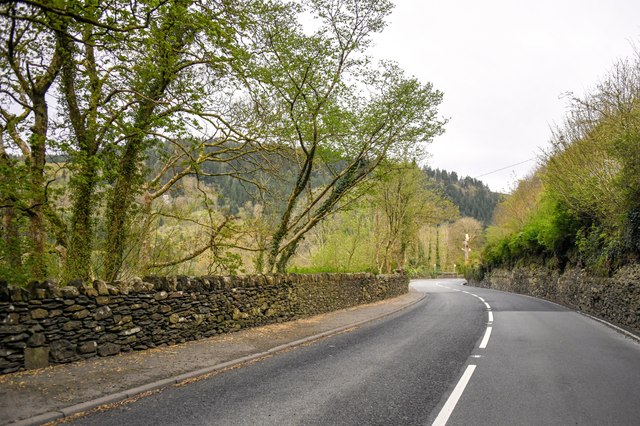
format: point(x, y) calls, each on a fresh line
point(504, 168)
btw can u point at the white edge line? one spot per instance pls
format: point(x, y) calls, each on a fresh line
point(490, 316)
point(615, 327)
point(485, 339)
point(448, 407)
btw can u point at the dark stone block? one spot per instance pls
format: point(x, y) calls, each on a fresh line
point(11, 318)
point(182, 283)
point(71, 325)
point(5, 363)
point(37, 339)
point(21, 344)
point(14, 333)
point(33, 288)
point(74, 308)
point(159, 283)
point(102, 312)
point(88, 347)
point(108, 337)
point(90, 324)
point(108, 349)
point(19, 294)
point(62, 351)
point(5, 293)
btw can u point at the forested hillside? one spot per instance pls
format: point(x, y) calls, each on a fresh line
point(472, 196)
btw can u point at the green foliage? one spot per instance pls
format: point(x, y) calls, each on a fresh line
point(327, 103)
point(546, 236)
point(582, 206)
point(198, 137)
point(380, 230)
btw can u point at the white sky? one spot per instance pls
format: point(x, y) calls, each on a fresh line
point(503, 67)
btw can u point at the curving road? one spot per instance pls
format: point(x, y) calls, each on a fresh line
point(463, 356)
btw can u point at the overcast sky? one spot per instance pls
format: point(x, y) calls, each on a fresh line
point(503, 67)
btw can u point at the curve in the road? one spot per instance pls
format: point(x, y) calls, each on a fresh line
point(540, 364)
point(452, 401)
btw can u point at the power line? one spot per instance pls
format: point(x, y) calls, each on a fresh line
point(505, 168)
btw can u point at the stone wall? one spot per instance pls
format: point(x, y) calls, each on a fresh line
point(45, 323)
point(615, 299)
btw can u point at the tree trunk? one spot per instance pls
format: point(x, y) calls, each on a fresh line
point(9, 232)
point(85, 177)
point(36, 164)
point(119, 208)
point(11, 239)
point(162, 72)
point(78, 263)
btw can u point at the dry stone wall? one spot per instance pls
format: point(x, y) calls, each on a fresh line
point(47, 324)
point(616, 299)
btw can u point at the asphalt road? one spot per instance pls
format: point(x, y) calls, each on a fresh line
point(434, 362)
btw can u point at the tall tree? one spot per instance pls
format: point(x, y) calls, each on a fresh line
point(95, 55)
point(182, 61)
point(332, 111)
point(407, 200)
point(30, 60)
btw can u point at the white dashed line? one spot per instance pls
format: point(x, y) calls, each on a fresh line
point(485, 339)
point(448, 407)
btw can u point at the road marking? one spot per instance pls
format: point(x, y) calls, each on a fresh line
point(615, 327)
point(485, 339)
point(452, 401)
point(448, 407)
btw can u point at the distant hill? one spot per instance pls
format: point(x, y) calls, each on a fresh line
point(472, 196)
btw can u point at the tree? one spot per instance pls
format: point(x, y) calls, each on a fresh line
point(407, 200)
point(30, 60)
point(181, 67)
point(380, 229)
point(331, 111)
point(592, 167)
point(279, 107)
point(95, 58)
point(131, 75)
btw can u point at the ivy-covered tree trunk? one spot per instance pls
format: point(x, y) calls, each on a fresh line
point(10, 234)
point(119, 208)
point(79, 254)
point(36, 163)
point(84, 162)
point(32, 62)
point(11, 239)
